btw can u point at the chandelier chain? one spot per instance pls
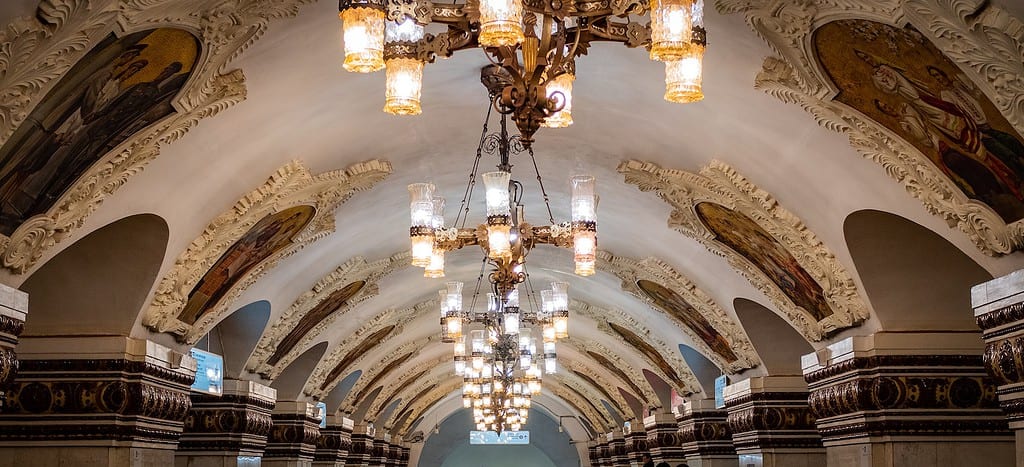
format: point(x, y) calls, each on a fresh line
point(547, 200)
point(468, 194)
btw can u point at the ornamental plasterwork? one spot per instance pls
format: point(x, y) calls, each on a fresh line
point(720, 184)
point(985, 42)
point(616, 398)
point(401, 381)
point(630, 270)
point(292, 185)
point(574, 384)
point(443, 389)
point(355, 269)
point(437, 376)
point(631, 371)
point(369, 374)
point(323, 369)
point(602, 317)
point(596, 418)
point(35, 52)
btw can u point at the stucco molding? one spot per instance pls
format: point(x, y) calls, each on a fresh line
point(987, 44)
point(320, 375)
point(630, 270)
point(617, 400)
point(35, 52)
point(720, 184)
point(629, 369)
point(292, 185)
point(355, 269)
point(401, 380)
point(413, 347)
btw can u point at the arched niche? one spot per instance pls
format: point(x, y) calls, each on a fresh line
point(616, 416)
point(337, 395)
point(635, 405)
point(99, 284)
point(290, 382)
point(386, 413)
point(776, 342)
point(914, 278)
point(364, 405)
point(450, 446)
point(702, 368)
point(661, 388)
point(236, 336)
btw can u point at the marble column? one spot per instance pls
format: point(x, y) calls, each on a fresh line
point(999, 312)
point(705, 436)
point(293, 436)
point(617, 448)
point(663, 438)
point(907, 398)
point(229, 429)
point(13, 308)
point(636, 445)
point(334, 443)
point(97, 401)
point(771, 424)
point(362, 446)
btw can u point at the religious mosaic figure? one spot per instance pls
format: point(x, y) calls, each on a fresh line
point(120, 87)
point(741, 234)
point(270, 235)
point(899, 79)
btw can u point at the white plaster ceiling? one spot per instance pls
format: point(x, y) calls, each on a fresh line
point(302, 105)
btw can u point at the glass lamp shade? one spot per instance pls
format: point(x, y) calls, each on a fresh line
point(585, 268)
point(499, 244)
point(363, 33)
point(501, 23)
point(550, 366)
point(513, 298)
point(548, 333)
point(560, 321)
point(560, 87)
point(453, 297)
point(437, 219)
point(453, 327)
point(684, 77)
point(584, 245)
point(422, 250)
point(560, 296)
point(547, 301)
point(421, 204)
point(467, 402)
point(403, 82)
point(549, 348)
point(496, 194)
point(671, 29)
point(460, 348)
point(460, 367)
point(511, 321)
point(435, 269)
point(584, 199)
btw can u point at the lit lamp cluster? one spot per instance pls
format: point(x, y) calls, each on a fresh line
point(390, 34)
point(500, 367)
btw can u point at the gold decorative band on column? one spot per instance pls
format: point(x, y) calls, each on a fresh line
point(636, 445)
point(704, 431)
point(772, 420)
point(294, 432)
point(236, 423)
point(335, 440)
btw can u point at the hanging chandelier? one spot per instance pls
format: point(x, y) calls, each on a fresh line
point(501, 367)
point(535, 42)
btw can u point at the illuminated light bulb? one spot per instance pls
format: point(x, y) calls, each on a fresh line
point(560, 88)
point(453, 327)
point(403, 83)
point(501, 23)
point(683, 77)
point(498, 242)
point(671, 29)
point(363, 34)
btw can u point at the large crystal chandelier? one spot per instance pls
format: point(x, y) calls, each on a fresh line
point(535, 42)
point(495, 347)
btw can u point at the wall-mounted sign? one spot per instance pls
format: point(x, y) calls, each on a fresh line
point(506, 437)
point(720, 383)
point(321, 413)
point(209, 372)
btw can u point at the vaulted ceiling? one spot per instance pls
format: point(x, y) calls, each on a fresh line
point(874, 237)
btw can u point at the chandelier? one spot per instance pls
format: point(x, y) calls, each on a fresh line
point(501, 367)
point(535, 43)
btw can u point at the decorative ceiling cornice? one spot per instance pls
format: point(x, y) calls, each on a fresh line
point(602, 385)
point(292, 185)
point(42, 48)
point(630, 270)
point(400, 381)
point(721, 185)
point(631, 376)
point(355, 269)
point(985, 42)
point(603, 318)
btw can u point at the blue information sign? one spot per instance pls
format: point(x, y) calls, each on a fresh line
point(720, 383)
point(209, 372)
point(321, 413)
point(506, 437)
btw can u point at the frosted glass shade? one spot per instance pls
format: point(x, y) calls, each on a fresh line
point(363, 33)
point(584, 245)
point(584, 199)
point(403, 82)
point(499, 244)
point(435, 269)
point(501, 23)
point(684, 77)
point(496, 194)
point(671, 29)
point(560, 87)
point(422, 250)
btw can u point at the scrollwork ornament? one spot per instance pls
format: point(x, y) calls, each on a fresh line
point(985, 42)
point(36, 52)
point(292, 185)
point(720, 184)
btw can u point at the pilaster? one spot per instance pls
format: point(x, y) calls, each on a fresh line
point(227, 430)
point(13, 308)
point(908, 398)
point(771, 424)
point(636, 444)
point(101, 401)
point(999, 312)
point(663, 438)
point(293, 436)
point(705, 436)
point(334, 443)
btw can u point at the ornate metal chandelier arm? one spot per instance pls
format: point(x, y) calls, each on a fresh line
point(559, 235)
point(630, 33)
point(444, 44)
